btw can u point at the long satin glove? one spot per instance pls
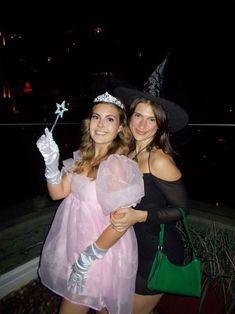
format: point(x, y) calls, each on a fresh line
point(80, 268)
point(50, 152)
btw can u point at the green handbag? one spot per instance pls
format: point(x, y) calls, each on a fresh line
point(176, 279)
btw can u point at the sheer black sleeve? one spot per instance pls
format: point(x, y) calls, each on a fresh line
point(176, 196)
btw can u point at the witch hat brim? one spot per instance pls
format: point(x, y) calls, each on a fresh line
point(177, 117)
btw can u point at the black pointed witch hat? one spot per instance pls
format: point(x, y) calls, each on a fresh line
point(177, 117)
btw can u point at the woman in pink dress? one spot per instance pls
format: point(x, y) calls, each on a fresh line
point(85, 260)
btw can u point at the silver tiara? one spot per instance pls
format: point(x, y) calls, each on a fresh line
point(106, 97)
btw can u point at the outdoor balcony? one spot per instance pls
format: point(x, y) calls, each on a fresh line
point(24, 224)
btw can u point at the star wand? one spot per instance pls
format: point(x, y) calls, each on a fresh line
point(59, 111)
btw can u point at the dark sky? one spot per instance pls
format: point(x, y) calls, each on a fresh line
point(158, 18)
point(161, 23)
point(160, 26)
point(200, 38)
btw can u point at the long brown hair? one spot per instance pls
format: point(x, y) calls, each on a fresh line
point(162, 137)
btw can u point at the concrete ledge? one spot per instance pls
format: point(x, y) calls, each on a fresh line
point(18, 277)
point(207, 214)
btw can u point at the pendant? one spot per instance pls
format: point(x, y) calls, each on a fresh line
point(135, 158)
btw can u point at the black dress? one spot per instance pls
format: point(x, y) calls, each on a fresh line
point(161, 200)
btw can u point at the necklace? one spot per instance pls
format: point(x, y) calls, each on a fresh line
point(135, 158)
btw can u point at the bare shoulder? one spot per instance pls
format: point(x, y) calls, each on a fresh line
point(163, 166)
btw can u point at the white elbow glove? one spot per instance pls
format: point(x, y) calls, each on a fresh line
point(80, 268)
point(50, 152)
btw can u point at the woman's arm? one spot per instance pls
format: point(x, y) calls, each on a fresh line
point(123, 218)
point(170, 183)
point(109, 237)
point(61, 190)
point(168, 179)
point(58, 187)
point(96, 250)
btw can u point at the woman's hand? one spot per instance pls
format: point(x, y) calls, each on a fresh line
point(50, 152)
point(123, 218)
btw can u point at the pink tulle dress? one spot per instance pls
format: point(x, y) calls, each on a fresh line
point(80, 219)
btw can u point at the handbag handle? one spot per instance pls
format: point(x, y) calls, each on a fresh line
point(186, 226)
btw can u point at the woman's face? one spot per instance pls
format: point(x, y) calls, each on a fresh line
point(143, 122)
point(105, 123)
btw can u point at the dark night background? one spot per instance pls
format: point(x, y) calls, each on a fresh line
point(74, 50)
point(135, 40)
point(64, 57)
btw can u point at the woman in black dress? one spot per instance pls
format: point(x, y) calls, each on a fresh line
point(151, 120)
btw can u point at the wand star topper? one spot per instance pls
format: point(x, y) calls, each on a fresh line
point(59, 111)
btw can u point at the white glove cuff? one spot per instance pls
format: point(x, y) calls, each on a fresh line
point(53, 179)
point(98, 252)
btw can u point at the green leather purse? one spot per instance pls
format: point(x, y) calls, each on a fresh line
point(176, 279)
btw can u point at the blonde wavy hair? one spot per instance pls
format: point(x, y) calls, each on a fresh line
point(120, 145)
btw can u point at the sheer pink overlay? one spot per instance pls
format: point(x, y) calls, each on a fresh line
point(119, 183)
point(79, 221)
